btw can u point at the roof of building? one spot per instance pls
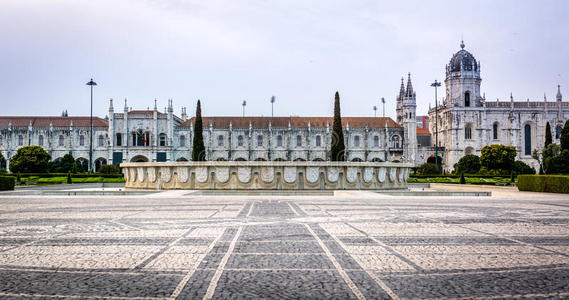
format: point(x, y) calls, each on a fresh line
point(24, 121)
point(463, 58)
point(423, 131)
point(283, 122)
point(145, 111)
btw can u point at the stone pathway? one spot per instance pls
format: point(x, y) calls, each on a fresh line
point(352, 246)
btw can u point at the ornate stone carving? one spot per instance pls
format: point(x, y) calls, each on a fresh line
point(392, 173)
point(381, 174)
point(140, 173)
point(183, 174)
point(267, 174)
point(401, 175)
point(333, 173)
point(352, 175)
point(165, 174)
point(222, 174)
point(151, 174)
point(244, 174)
point(312, 174)
point(290, 174)
point(132, 174)
point(201, 174)
point(368, 174)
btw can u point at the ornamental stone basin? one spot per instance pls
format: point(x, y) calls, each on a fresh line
point(269, 175)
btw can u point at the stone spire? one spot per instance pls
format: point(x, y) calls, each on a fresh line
point(559, 96)
point(409, 91)
point(402, 90)
point(155, 104)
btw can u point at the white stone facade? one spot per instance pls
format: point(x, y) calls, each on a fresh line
point(467, 121)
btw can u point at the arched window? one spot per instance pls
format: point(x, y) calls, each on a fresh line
point(279, 141)
point(119, 139)
point(395, 142)
point(299, 140)
point(101, 141)
point(240, 140)
point(467, 99)
point(356, 141)
point(527, 139)
point(40, 140)
point(495, 131)
point(259, 141)
point(61, 140)
point(220, 140)
point(81, 140)
point(558, 131)
point(141, 138)
point(468, 132)
point(318, 141)
point(183, 141)
point(20, 140)
point(162, 140)
point(376, 141)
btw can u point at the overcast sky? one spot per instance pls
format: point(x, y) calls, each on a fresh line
point(224, 52)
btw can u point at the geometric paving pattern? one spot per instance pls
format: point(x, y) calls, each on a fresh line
point(356, 246)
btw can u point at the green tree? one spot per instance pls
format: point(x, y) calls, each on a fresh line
point(66, 164)
point(198, 148)
point(338, 149)
point(498, 157)
point(30, 159)
point(558, 164)
point(520, 167)
point(565, 136)
point(547, 155)
point(548, 138)
point(469, 164)
point(428, 169)
point(109, 169)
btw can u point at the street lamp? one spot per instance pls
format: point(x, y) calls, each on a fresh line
point(272, 103)
point(244, 104)
point(436, 84)
point(91, 83)
point(383, 103)
point(375, 111)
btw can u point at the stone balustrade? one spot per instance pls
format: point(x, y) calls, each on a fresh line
point(261, 175)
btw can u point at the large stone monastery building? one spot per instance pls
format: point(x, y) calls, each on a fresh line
point(467, 121)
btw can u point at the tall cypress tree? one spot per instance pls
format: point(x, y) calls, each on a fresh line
point(548, 139)
point(338, 150)
point(565, 136)
point(198, 148)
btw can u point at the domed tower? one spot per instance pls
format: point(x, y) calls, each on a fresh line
point(463, 80)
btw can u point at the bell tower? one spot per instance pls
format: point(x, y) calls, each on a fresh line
point(409, 121)
point(463, 80)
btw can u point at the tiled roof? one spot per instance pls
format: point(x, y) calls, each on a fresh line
point(280, 122)
point(23, 121)
point(423, 131)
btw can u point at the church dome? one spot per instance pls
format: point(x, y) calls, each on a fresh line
point(463, 58)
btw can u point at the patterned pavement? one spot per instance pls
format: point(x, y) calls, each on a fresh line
point(355, 246)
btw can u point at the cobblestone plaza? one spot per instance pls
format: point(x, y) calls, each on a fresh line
point(362, 245)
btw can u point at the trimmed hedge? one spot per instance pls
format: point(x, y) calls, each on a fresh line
point(544, 183)
point(7, 183)
point(74, 175)
point(458, 176)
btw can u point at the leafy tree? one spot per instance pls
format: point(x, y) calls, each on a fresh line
point(338, 149)
point(30, 159)
point(66, 164)
point(520, 167)
point(548, 138)
point(469, 164)
point(198, 148)
point(498, 157)
point(429, 169)
point(557, 161)
point(565, 136)
point(432, 159)
point(547, 155)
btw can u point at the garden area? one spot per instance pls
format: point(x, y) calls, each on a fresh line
point(32, 165)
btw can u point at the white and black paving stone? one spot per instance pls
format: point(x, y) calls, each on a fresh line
point(176, 245)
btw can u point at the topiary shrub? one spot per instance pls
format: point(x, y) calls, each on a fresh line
point(498, 157)
point(520, 167)
point(428, 169)
point(69, 181)
point(469, 164)
point(30, 159)
point(109, 169)
point(7, 183)
point(544, 183)
point(462, 179)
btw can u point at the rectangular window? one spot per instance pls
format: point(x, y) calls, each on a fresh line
point(299, 141)
point(279, 141)
point(259, 141)
point(82, 140)
point(119, 139)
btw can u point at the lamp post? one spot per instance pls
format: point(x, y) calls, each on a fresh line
point(383, 103)
point(375, 111)
point(244, 104)
point(91, 83)
point(272, 103)
point(436, 84)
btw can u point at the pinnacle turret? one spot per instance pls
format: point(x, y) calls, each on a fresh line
point(409, 92)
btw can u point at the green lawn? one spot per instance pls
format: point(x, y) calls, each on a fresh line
point(62, 179)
